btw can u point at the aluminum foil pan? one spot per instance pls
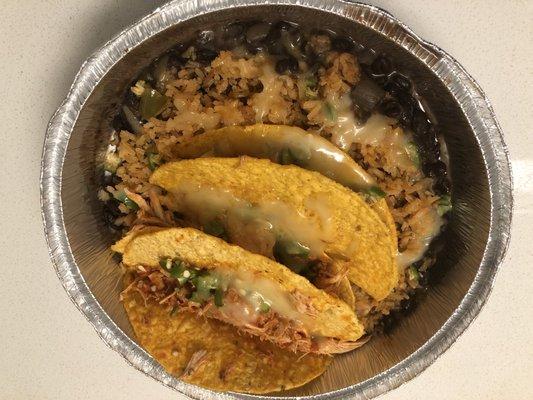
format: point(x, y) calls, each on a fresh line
point(476, 238)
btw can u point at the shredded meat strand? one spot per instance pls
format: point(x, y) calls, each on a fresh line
point(198, 358)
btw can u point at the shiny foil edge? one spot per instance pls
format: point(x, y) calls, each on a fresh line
point(464, 89)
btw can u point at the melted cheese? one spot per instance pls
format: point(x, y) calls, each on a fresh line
point(378, 130)
point(265, 101)
point(256, 291)
point(426, 225)
point(319, 204)
point(272, 218)
point(309, 151)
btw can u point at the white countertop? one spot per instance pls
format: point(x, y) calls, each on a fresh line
point(49, 350)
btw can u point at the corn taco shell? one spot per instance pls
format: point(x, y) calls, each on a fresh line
point(313, 321)
point(335, 221)
point(214, 355)
point(282, 144)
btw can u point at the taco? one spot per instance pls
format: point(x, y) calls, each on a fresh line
point(281, 144)
point(203, 275)
point(210, 353)
point(301, 218)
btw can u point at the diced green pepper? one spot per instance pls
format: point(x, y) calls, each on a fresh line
point(203, 284)
point(219, 294)
point(413, 273)
point(206, 281)
point(412, 152)
point(177, 269)
point(152, 103)
point(375, 192)
point(165, 263)
point(153, 161)
point(264, 307)
point(311, 81)
point(444, 205)
point(292, 254)
point(123, 198)
point(329, 111)
point(215, 228)
point(307, 87)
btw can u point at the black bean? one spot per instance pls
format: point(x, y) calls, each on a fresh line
point(105, 178)
point(366, 95)
point(420, 123)
point(442, 185)
point(109, 220)
point(381, 65)
point(365, 58)
point(111, 207)
point(233, 34)
point(409, 105)
point(275, 47)
point(257, 33)
point(392, 109)
point(254, 49)
point(119, 123)
point(275, 41)
point(281, 26)
point(176, 60)
point(429, 148)
point(205, 55)
point(285, 65)
point(115, 179)
point(233, 30)
point(342, 44)
point(292, 42)
point(436, 169)
point(131, 101)
point(398, 83)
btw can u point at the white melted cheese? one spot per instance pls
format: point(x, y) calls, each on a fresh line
point(426, 225)
point(377, 130)
point(256, 291)
point(268, 217)
point(320, 205)
point(262, 103)
point(380, 130)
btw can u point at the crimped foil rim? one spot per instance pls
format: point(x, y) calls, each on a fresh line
point(463, 87)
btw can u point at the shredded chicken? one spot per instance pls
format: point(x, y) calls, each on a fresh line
point(330, 277)
point(157, 285)
point(138, 199)
point(303, 304)
point(156, 205)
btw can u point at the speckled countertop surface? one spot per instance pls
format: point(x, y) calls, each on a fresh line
point(48, 349)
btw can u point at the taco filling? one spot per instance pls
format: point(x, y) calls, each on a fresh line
point(256, 295)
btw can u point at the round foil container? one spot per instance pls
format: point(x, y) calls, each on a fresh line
point(475, 240)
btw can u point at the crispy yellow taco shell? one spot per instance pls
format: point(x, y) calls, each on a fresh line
point(214, 355)
point(312, 320)
point(337, 222)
